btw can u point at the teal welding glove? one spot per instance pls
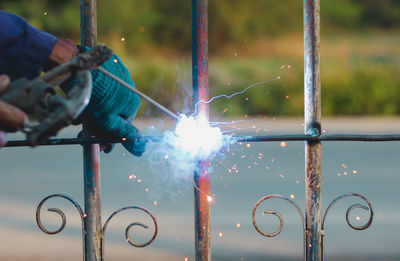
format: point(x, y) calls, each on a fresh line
point(112, 107)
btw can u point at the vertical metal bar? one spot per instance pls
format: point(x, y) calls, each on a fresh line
point(91, 153)
point(200, 92)
point(312, 125)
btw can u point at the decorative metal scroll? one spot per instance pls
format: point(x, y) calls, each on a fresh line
point(351, 208)
point(59, 212)
point(63, 217)
point(348, 212)
point(127, 237)
point(83, 216)
point(275, 213)
point(279, 216)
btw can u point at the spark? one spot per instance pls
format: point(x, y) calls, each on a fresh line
point(358, 218)
point(292, 196)
point(238, 225)
point(84, 215)
point(44, 13)
point(155, 203)
point(209, 198)
point(133, 176)
point(283, 144)
point(186, 259)
point(139, 181)
point(122, 39)
point(355, 171)
point(234, 94)
point(220, 234)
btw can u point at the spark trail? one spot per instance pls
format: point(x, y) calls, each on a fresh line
point(234, 94)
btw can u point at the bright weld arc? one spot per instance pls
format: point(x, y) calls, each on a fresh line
point(182, 137)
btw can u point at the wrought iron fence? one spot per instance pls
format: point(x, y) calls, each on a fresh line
point(313, 219)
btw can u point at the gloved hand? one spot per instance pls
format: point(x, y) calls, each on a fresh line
point(112, 107)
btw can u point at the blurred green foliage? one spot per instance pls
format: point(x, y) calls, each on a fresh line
point(249, 41)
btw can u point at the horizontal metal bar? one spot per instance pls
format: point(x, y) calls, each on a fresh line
point(324, 137)
point(360, 137)
point(263, 138)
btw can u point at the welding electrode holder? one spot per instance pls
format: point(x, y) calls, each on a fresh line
point(39, 96)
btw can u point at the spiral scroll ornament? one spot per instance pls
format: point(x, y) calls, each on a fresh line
point(275, 213)
point(134, 224)
point(350, 209)
point(59, 212)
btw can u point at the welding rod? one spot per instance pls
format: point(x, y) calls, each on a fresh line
point(144, 96)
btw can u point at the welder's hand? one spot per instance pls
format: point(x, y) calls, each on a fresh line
point(11, 118)
point(112, 107)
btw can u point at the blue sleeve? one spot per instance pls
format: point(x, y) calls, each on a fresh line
point(24, 49)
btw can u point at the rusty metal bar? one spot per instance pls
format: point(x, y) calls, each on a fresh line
point(312, 126)
point(91, 152)
point(200, 92)
point(260, 138)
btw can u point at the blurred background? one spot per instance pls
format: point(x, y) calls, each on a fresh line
point(249, 42)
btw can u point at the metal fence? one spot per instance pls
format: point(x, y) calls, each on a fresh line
point(313, 218)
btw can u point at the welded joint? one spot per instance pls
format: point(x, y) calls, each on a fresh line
point(315, 133)
point(99, 236)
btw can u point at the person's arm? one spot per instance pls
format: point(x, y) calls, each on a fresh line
point(24, 50)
